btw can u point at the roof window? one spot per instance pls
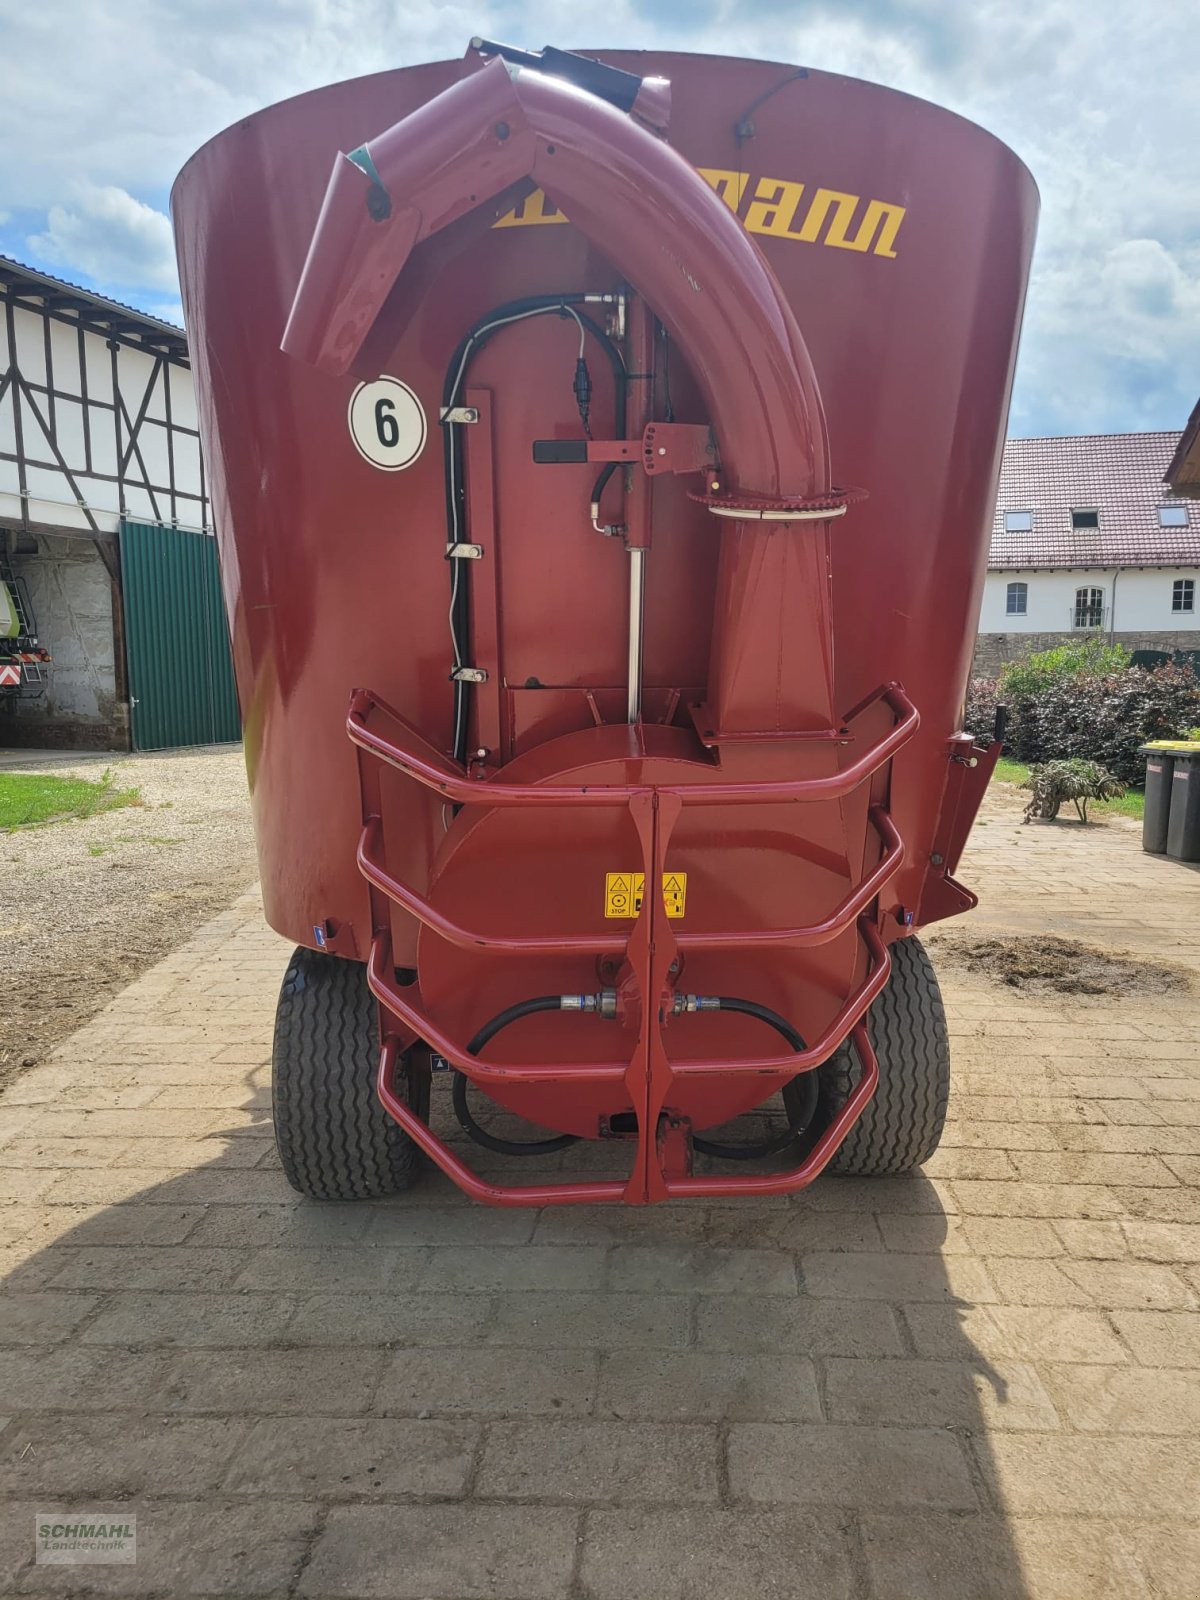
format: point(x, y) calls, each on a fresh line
point(1085, 517)
point(1018, 521)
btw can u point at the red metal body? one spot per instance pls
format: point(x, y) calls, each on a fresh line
point(813, 283)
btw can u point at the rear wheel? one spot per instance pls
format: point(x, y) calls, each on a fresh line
point(335, 1140)
point(903, 1121)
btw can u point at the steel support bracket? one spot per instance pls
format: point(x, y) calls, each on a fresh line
point(663, 447)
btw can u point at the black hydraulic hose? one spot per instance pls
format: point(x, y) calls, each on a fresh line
point(510, 1014)
point(598, 487)
point(800, 1108)
point(506, 1147)
point(467, 349)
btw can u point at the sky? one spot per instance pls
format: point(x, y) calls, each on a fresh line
point(101, 104)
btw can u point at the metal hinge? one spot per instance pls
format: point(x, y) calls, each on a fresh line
point(469, 675)
point(464, 552)
point(459, 414)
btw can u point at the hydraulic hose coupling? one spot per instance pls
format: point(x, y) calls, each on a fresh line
point(603, 1004)
point(696, 1002)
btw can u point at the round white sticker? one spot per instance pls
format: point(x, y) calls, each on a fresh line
point(387, 424)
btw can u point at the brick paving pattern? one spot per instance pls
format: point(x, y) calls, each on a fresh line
point(980, 1381)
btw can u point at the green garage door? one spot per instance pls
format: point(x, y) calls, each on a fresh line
point(180, 671)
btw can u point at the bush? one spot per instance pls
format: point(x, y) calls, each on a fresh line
point(1086, 657)
point(1076, 780)
point(1100, 717)
point(1106, 718)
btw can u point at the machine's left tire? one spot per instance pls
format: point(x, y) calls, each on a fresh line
point(335, 1140)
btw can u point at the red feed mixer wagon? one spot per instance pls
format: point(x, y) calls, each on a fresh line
point(603, 461)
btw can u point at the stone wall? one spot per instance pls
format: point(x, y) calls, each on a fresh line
point(992, 650)
point(71, 594)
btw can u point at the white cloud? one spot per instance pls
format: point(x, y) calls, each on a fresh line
point(111, 238)
point(1097, 96)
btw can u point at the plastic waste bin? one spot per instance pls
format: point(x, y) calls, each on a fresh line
point(1160, 765)
point(1183, 827)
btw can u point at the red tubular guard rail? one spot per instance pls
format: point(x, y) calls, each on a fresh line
point(654, 809)
point(607, 1190)
point(419, 760)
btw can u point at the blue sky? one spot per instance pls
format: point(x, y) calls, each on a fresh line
point(101, 105)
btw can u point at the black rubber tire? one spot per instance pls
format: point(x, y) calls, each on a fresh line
point(335, 1140)
point(903, 1122)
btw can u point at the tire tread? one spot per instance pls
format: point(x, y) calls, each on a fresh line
point(335, 1140)
point(902, 1124)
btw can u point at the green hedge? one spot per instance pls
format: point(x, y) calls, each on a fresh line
point(1062, 707)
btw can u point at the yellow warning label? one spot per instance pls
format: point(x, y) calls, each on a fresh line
point(623, 893)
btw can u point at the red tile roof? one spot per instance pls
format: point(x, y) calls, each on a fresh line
point(1117, 474)
point(1183, 474)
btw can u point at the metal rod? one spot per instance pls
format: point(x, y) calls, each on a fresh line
point(412, 754)
point(637, 572)
point(639, 411)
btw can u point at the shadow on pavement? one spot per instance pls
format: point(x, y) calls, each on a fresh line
point(424, 1399)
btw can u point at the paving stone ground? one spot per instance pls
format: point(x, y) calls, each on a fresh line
point(980, 1381)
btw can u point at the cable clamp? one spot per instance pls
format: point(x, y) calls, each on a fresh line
point(459, 414)
point(464, 552)
point(469, 675)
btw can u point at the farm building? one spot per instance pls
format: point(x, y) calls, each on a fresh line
point(1089, 538)
point(112, 634)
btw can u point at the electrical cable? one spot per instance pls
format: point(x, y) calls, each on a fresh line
point(468, 347)
point(800, 1105)
point(505, 1147)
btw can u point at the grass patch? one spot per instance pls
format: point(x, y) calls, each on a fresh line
point(1010, 771)
point(28, 799)
point(1131, 804)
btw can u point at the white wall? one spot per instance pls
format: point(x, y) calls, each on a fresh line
point(1142, 603)
point(71, 596)
point(92, 454)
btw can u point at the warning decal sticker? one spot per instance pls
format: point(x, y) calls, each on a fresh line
point(623, 893)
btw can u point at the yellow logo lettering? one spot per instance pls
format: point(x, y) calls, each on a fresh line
point(845, 205)
point(536, 208)
point(730, 186)
point(773, 209)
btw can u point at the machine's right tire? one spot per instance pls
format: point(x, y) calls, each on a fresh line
point(903, 1121)
point(335, 1140)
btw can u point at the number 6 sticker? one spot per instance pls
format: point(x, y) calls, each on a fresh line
point(387, 424)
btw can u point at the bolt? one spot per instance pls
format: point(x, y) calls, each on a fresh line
point(937, 859)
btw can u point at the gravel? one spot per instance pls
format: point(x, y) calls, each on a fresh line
point(87, 905)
